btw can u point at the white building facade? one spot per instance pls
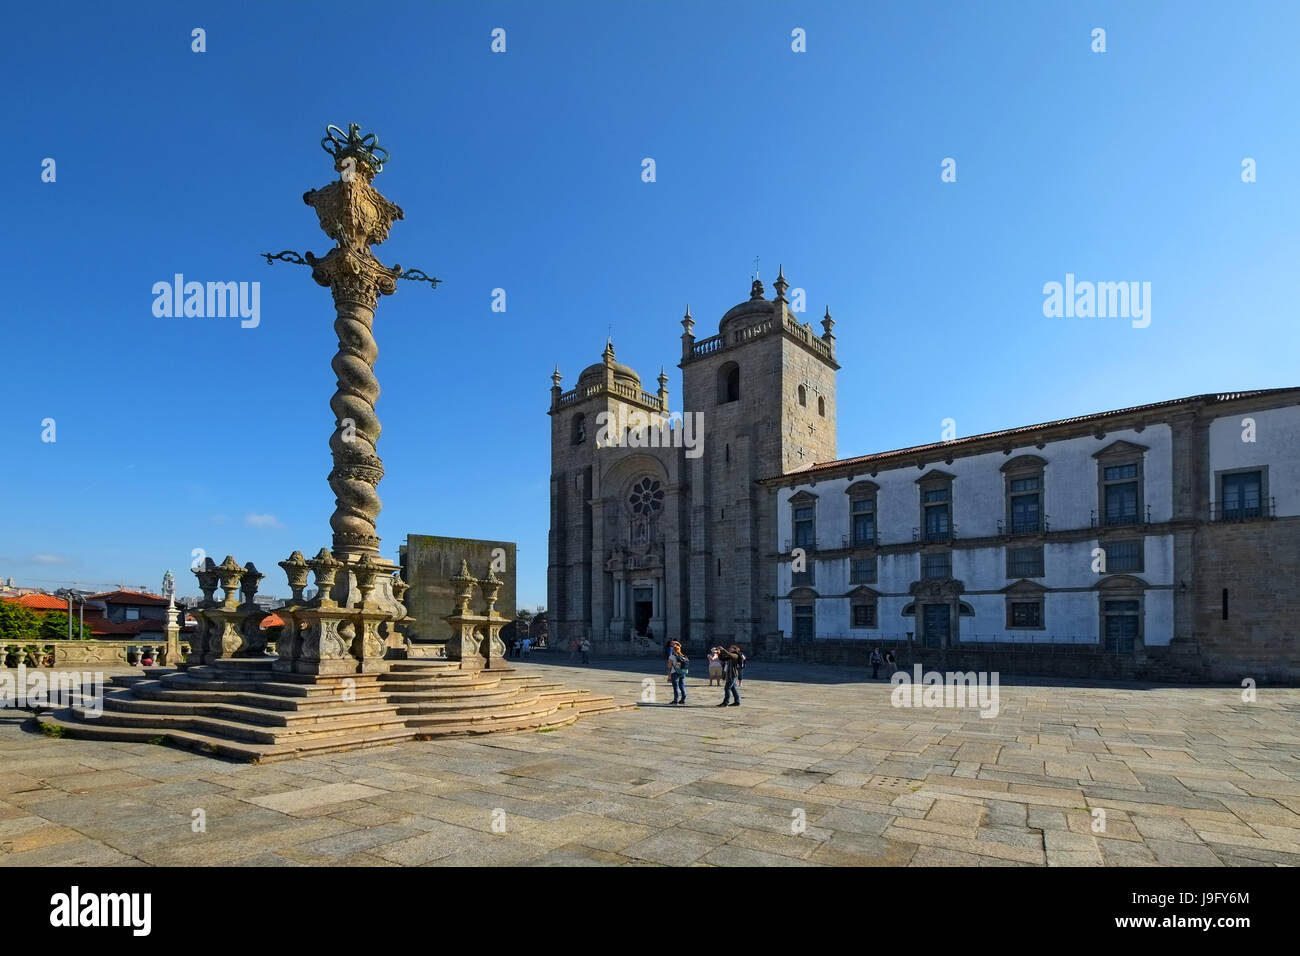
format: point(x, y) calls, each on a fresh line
point(1114, 532)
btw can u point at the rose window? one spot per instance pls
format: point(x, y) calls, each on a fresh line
point(647, 498)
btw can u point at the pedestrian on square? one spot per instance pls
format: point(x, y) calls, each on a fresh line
point(574, 644)
point(890, 662)
point(525, 646)
point(586, 651)
point(875, 660)
point(731, 664)
point(715, 667)
point(678, 667)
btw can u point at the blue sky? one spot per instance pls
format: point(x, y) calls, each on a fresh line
point(522, 171)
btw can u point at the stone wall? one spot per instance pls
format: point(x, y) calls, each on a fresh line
point(428, 564)
point(1256, 563)
point(114, 653)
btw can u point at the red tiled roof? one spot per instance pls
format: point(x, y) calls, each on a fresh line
point(129, 597)
point(40, 602)
point(1024, 430)
point(101, 627)
point(272, 620)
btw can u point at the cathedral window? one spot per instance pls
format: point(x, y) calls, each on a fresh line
point(646, 498)
point(821, 406)
point(579, 429)
point(729, 383)
point(803, 395)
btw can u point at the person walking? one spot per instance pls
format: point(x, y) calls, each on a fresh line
point(731, 658)
point(586, 651)
point(678, 668)
point(574, 644)
point(526, 646)
point(891, 663)
point(875, 660)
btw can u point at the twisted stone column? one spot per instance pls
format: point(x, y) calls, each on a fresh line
point(355, 215)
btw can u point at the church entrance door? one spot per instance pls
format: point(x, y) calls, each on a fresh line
point(643, 607)
point(935, 623)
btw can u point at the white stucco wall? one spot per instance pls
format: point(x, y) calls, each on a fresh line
point(1069, 501)
point(1276, 444)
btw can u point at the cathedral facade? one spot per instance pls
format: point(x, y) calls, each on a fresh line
point(652, 539)
point(1157, 541)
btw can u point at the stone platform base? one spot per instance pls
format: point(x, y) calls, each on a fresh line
point(247, 710)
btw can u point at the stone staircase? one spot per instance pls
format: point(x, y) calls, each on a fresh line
point(241, 709)
point(1180, 661)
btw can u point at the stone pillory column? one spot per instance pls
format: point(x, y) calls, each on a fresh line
point(349, 624)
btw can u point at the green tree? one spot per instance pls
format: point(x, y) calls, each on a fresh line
point(18, 624)
point(54, 627)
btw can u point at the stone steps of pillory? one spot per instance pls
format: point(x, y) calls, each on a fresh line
point(252, 698)
point(233, 729)
point(212, 745)
point(254, 715)
point(243, 709)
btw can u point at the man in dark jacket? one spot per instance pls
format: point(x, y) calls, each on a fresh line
point(731, 658)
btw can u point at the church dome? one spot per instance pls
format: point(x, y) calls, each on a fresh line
point(622, 373)
point(751, 310)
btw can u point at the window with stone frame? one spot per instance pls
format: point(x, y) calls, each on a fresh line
point(1025, 562)
point(1123, 556)
point(821, 406)
point(803, 518)
point(864, 613)
point(936, 506)
point(1241, 495)
point(862, 569)
point(1023, 480)
point(579, 428)
point(1024, 614)
point(1120, 484)
point(936, 564)
point(862, 514)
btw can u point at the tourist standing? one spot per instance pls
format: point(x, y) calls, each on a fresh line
point(875, 660)
point(524, 646)
point(715, 667)
point(891, 663)
point(731, 658)
point(586, 651)
point(678, 668)
point(574, 644)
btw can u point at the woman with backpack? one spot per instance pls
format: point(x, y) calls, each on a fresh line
point(678, 667)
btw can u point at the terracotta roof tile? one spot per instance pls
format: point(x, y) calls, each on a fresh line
point(123, 596)
point(40, 602)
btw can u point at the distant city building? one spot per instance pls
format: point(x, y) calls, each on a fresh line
point(124, 615)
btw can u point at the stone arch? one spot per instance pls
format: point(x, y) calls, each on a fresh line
point(728, 383)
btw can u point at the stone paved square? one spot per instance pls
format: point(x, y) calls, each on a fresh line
point(815, 768)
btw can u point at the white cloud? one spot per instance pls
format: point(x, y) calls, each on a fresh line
point(49, 559)
point(263, 521)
